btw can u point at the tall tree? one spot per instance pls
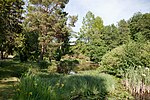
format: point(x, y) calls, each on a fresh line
point(10, 23)
point(110, 36)
point(49, 19)
point(89, 40)
point(124, 32)
point(87, 28)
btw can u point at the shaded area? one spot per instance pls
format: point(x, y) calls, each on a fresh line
point(9, 71)
point(10, 68)
point(6, 88)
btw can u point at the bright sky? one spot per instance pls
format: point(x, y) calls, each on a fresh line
point(111, 11)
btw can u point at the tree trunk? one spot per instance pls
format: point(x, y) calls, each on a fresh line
point(1, 55)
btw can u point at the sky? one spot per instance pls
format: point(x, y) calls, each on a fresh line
point(111, 11)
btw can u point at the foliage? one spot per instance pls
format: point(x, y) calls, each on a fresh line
point(43, 64)
point(27, 45)
point(80, 62)
point(66, 66)
point(88, 85)
point(140, 27)
point(10, 23)
point(124, 32)
point(89, 38)
point(49, 20)
point(123, 57)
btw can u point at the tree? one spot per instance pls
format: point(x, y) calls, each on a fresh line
point(110, 36)
point(89, 40)
point(140, 27)
point(87, 28)
point(124, 32)
point(10, 23)
point(49, 20)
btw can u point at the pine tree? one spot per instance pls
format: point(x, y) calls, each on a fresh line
point(48, 18)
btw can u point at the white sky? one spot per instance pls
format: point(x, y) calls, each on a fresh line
point(111, 11)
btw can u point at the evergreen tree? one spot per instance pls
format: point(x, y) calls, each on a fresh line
point(124, 32)
point(140, 27)
point(49, 20)
point(110, 36)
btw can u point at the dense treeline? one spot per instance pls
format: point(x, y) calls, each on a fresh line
point(95, 39)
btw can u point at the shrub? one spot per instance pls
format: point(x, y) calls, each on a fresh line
point(81, 62)
point(66, 66)
point(123, 57)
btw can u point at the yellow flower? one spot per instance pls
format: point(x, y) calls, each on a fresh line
point(30, 93)
point(18, 89)
point(62, 85)
point(57, 84)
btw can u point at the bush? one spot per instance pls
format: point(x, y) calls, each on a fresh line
point(66, 66)
point(81, 62)
point(86, 86)
point(123, 57)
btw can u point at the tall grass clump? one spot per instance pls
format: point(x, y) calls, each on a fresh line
point(137, 81)
point(84, 86)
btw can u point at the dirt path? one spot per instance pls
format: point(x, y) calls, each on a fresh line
point(6, 88)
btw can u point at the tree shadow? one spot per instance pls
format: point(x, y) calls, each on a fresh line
point(6, 88)
point(10, 68)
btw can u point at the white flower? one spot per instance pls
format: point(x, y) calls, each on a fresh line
point(139, 66)
point(143, 75)
point(147, 68)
